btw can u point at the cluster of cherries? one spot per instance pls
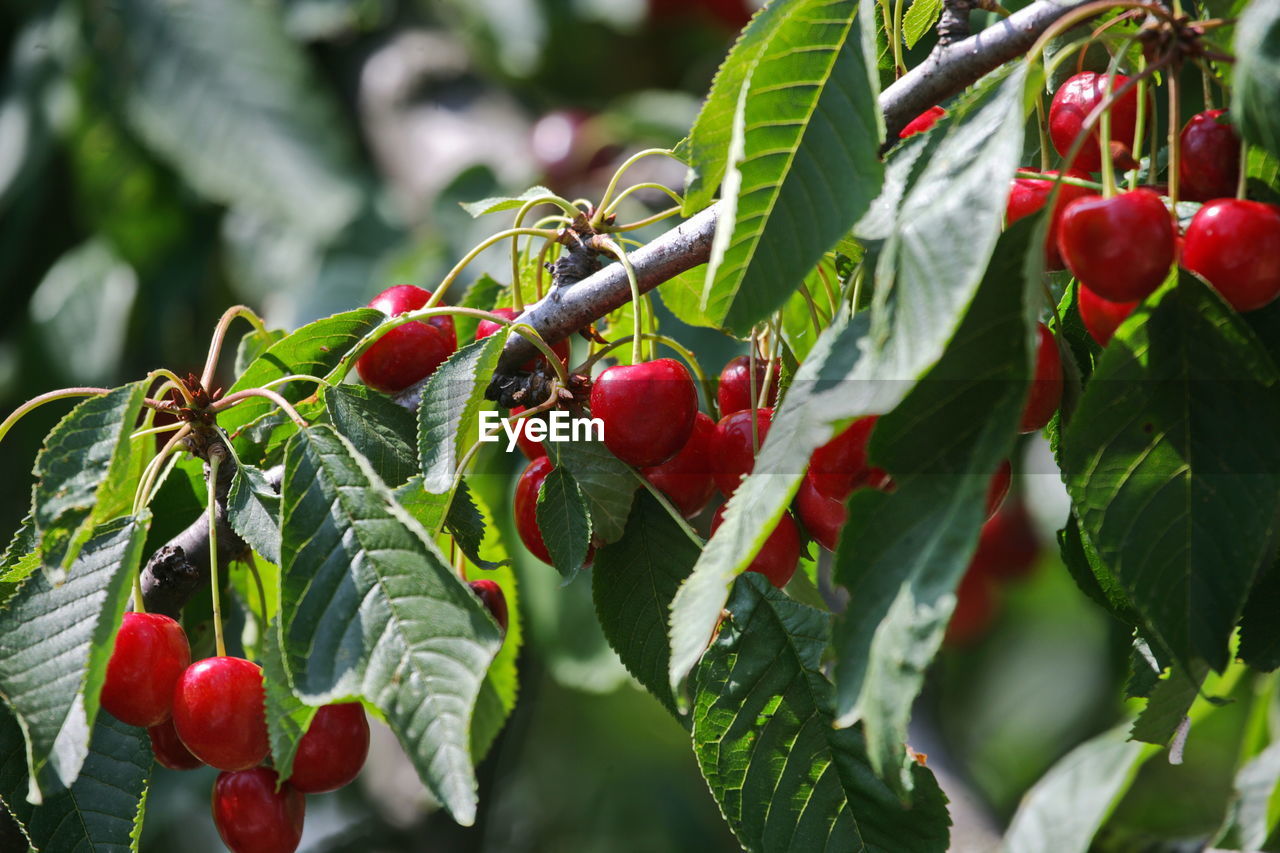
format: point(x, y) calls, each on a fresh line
point(212, 712)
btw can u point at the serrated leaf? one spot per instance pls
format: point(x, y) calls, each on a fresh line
point(920, 18)
point(784, 777)
point(80, 473)
point(1167, 705)
point(383, 432)
point(448, 419)
point(254, 344)
point(21, 558)
point(1255, 101)
point(1093, 577)
point(1155, 446)
point(55, 642)
point(253, 510)
point(633, 581)
point(483, 294)
point(371, 609)
point(806, 122)
point(501, 203)
point(288, 717)
point(682, 296)
point(608, 484)
point(466, 525)
point(562, 518)
point(428, 509)
point(102, 811)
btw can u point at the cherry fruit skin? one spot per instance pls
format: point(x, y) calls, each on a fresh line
point(925, 121)
point(840, 466)
point(823, 515)
point(998, 487)
point(733, 393)
point(686, 478)
point(1073, 102)
point(1046, 385)
point(732, 450)
point(1121, 247)
point(780, 554)
point(333, 750)
point(1029, 195)
point(252, 816)
point(150, 655)
point(1101, 317)
point(485, 328)
point(218, 712)
point(526, 506)
point(169, 749)
point(1008, 545)
point(975, 610)
point(410, 352)
point(648, 410)
point(494, 600)
point(1235, 246)
point(1210, 163)
point(530, 448)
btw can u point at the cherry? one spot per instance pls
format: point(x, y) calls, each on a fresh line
point(686, 478)
point(530, 448)
point(647, 409)
point(998, 487)
point(1008, 545)
point(1209, 167)
point(169, 749)
point(526, 506)
point(732, 451)
point(823, 515)
point(150, 654)
point(495, 601)
point(218, 712)
point(1235, 246)
point(252, 816)
point(1046, 386)
point(410, 352)
point(1101, 317)
point(1029, 195)
point(780, 554)
point(1120, 247)
point(840, 466)
point(974, 612)
point(1073, 102)
point(925, 121)
point(485, 328)
point(733, 393)
point(333, 750)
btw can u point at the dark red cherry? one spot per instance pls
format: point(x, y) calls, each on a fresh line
point(253, 817)
point(411, 352)
point(530, 448)
point(975, 610)
point(733, 393)
point(1029, 195)
point(647, 409)
point(1008, 546)
point(526, 506)
point(150, 654)
point(218, 712)
point(1235, 246)
point(686, 478)
point(495, 601)
point(1121, 247)
point(998, 487)
point(485, 328)
point(1046, 385)
point(1209, 166)
point(1073, 102)
point(1101, 317)
point(780, 554)
point(840, 466)
point(169, 749)
point(823, 516)
point(925, 121)
point(732, 450)
point(333, 750)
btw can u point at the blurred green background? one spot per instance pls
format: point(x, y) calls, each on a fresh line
point(161, 160)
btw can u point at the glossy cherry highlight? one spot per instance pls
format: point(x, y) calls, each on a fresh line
point(218, 712)
point(149, 657)
point(686, 478)
point(1235, 246)
point(494, 600)
point(333, 750)
point(408, 353)
point(253, 817)
point(925, 121)
point(1209, 166)
point(733, 393)
point(1120, 247)
point(1074, 101)
point(647, 409)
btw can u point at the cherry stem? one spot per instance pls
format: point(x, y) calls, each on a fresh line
point(1044, 133)
point(220, 334)
point(832, 299)
point(644, 185)
point(670, 509)
point(899, 66)
point(751, 386)
point(763, 394)
point(1104, 129)
point(813, 309)
point(48, 397)
point(172, 381)
point(215, 459)
point(155, 430)
point(251, 564)
point(297, 377)
point(1069, 20)
point(1174, 126)
point(598, 219)
point(150, 475)
point(641, 223)
point(515, 240)
point(1061, 178)
point(1242, 179)
point(475, 253)
point(266, 393)
point(1139, 131)
point(637, 307)
point(680, 350)
point(539, 267)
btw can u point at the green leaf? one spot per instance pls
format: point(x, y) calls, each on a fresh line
point(633, 581)
point(448, 419)
point(102, 812)
point(501, 203)
point(1252, 817)
point(55, 642)
point(1065, 809)
point(1174, 436)
point(562, 518)
point(382, 432)
point(466, 524)
point(919, 19)
point(20, 559)
point(371, 610)
point(1255, 100)
point(608, 485)
point(80, 474)
point(1259, 629)
point(1092, 576)
point(682, 296)
point(482, 294)
point(1262, 176)
point(784, 777)
point(804, 158)
point(1167, 705)
point(428, 509)
point(253, 510)
point(287, 716)
point(254, 344)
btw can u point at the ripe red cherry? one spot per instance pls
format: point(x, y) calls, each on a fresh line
point(253, 817)
point(410, 352)
point(686, 478)
point(998, 487)
point(823, 515)
point(1121, 247)
point(218, 712)
point(1210, 163)
point(1046, 386)
point(1008, 546)
point(495, 601)
point(169, 749)
point(733, 394)
point(333, 750)
point(840, 466)
point(1073, 102)
point(975, 610)
point(780, 554)
point(485, 328)
point(526, 506)
point(647, 410)
point(1029, 195)
point(732, 451)
point(1235, 246)
point(925, 121)
point(1101, 317)
point(150, 654)
point(530, 448)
